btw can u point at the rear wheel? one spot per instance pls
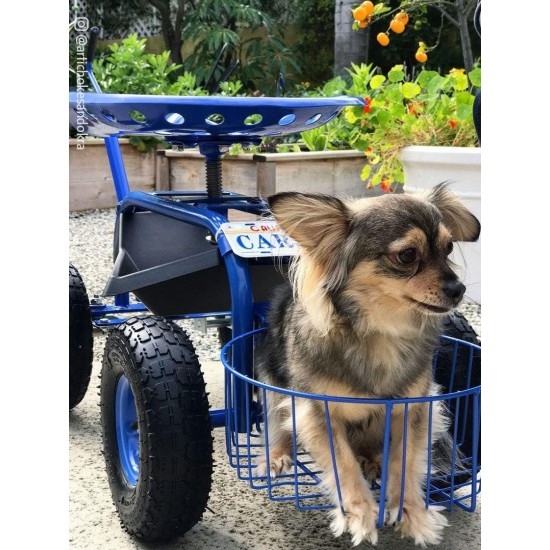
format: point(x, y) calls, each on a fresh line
point(156, 428)
point(80, 338)
point(458, 374)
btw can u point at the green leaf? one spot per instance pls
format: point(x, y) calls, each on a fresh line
point(465, 98)
point(377, 178)
point(396, 74)
point(463, 111)
point(410, 90)
point(394, 94)
point(365, 173)
point(380, 8)
point(377, 81)
point(321, 143)
point(434, 84)
point(475, 77)
point(425, 77)
point(409, 120)
point(383, 116)
point(361, 144)
point(350, 115)
point(397, 110)
point(461, 82)
point(399, 176)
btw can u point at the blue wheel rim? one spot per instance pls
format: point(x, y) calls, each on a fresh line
point(126, 431)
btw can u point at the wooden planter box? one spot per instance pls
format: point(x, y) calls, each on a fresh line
point(90, 181)
point(332, 172)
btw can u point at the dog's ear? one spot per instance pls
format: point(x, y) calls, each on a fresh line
point(463, 225)
point(314, 221)
point(319, 224)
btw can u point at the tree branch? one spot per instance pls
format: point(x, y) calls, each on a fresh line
point(470, 7)
point(161, 5)
point(419, 3)
point(179, 17)
point(447, 15)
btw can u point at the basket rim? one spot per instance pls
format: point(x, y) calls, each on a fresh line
point(340, 399)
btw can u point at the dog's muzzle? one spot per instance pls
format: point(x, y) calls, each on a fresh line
point(454, 290)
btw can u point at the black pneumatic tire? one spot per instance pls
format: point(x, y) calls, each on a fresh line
point(80, 338)
point(224, 335)
point(175, 441)
point(457, 326)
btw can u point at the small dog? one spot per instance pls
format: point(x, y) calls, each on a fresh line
point(362, 319)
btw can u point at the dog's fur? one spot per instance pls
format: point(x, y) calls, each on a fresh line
point(362, 319)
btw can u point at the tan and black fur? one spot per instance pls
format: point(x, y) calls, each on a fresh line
point(362, 319)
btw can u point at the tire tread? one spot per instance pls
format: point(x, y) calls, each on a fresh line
point(175, 429)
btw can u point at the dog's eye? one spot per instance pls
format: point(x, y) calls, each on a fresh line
point(449, 248)
point(408, 256)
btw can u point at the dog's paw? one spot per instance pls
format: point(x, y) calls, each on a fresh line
point(372, 469)
point(360, 521)
point(277, 466)
point(424, 526)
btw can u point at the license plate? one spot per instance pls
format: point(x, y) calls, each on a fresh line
point(258, 239)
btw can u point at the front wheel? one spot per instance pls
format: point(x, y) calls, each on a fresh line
point(156, 428)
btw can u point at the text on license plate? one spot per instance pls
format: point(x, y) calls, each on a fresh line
point(258, 239)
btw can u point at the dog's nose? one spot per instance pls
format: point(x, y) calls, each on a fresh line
point(454, 290)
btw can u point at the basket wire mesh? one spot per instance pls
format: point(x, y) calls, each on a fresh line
point(303, 483)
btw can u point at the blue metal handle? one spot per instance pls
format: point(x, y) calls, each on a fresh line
point(92, 44)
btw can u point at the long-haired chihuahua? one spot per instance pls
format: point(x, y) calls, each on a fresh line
point(361, 318)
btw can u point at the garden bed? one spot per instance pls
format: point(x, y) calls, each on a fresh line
point(91, 185)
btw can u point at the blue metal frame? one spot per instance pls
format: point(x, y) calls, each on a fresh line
point(203, 212)
point(240, 285)
point(126, 431)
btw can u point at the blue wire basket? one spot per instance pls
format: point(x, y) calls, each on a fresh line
point(302, 483)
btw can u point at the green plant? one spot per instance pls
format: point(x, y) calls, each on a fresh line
point(432, 109)
point(313, 24)
point(240, 38)
point(336, 134)
point(128, 69)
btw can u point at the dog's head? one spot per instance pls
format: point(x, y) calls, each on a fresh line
point(388, 252)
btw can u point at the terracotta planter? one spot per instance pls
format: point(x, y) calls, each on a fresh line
point(425, 167)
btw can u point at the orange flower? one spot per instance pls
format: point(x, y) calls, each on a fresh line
point(366, 108)
point(416, 105)
point(452, 123)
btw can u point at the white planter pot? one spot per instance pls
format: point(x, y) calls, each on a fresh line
point(424, 167)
